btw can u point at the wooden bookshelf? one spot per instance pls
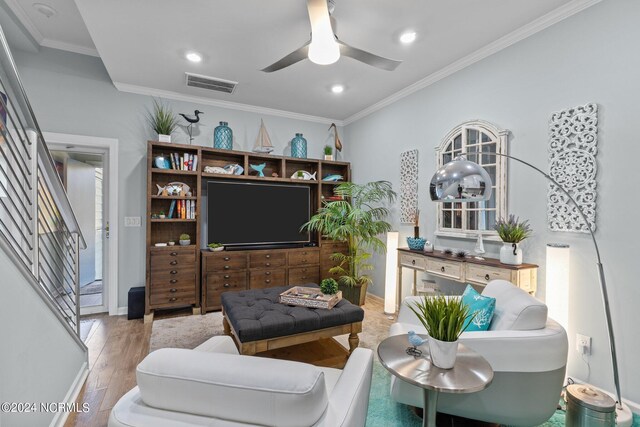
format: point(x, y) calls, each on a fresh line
point(173, 272)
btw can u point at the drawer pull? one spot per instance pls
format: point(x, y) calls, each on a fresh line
point(487, 277)
point(226, 276)
point(267, 281)
point(173, 299)
point(268, 264)
point(174, 262)
point(442, 269)
point(304, 260)
point(226, 258)
point(267, 256)
point(174, 254)
point(173, 290)
point(173, 281)
point(413, 261)
point(268, 273)
point(174, 272)
point(226, 267)
point(226, 285)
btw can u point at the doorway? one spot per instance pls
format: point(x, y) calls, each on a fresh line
point(88, 168)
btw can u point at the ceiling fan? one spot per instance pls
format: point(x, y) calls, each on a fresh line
point(324, 47)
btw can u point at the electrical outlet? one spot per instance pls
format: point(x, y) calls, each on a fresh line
point(583, 344)
point(132, 221)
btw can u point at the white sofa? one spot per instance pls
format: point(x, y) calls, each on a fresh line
point(214, 386)
point(528, 354)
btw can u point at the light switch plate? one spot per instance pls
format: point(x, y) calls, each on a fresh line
point(132, 221)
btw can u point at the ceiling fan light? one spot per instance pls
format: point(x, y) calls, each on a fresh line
point(323, 53)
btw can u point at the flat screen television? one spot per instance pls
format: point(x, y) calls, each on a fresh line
point(249, 214)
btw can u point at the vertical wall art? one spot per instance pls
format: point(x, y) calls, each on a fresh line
point(573, 147)
point(408, 186)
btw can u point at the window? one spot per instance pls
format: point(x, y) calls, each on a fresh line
point(477, 140)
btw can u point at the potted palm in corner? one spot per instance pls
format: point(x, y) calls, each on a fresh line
point(358, 220)
point(162, 121)
point(444, 319)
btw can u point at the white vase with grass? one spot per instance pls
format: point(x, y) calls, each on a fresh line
point(444, 319)
point(512, 231)
point(162, 121)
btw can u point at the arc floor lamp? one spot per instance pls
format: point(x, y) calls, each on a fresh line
point(464, 181)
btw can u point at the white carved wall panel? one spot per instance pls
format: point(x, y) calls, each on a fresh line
point(573, 147)
point(408, 186)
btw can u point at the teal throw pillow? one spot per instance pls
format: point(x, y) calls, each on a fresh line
point(481, 304)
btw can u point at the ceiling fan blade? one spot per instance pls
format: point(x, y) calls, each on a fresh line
point(292, 58)
point(368, 58)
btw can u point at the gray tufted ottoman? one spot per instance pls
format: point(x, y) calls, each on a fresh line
point(258, 322)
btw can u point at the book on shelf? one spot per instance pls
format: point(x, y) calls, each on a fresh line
point(171, 209)
point(185, 162)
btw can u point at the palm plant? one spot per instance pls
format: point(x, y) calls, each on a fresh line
point(162, 119)
point(358, 220)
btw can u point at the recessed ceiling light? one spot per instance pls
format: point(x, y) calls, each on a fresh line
point(194, 57)
point(408, 37)
point(44, 9)
point(337, 88)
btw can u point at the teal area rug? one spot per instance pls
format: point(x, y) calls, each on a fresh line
point(384, 412)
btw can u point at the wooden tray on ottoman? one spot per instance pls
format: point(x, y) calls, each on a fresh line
point(309, 297)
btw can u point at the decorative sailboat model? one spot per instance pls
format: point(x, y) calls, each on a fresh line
point(263, 142)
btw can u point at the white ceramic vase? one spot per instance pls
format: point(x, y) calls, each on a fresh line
point(185, 242)
point(328, 156)
point(443, 353)
point(510, 253)
point(164, 138)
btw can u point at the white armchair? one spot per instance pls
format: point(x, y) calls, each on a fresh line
point(528, 354)
point(214, 386)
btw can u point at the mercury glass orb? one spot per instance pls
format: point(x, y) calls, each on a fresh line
point(460, 180)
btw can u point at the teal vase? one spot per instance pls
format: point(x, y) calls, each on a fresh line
point(223, 137)
point(299, 147)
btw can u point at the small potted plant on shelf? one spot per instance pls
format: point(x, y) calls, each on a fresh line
point(444, 319)
point(329, 286)
point(215, 247)
point(161, 215)
point(357, 219)
point(185, 240)
point(162, 121)
point(512, 231)
point(328, 152)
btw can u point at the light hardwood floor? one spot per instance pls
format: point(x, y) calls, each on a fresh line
point(116, 346)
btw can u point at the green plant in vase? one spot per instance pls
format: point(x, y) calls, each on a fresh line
point(328, 152)
point(329, 286)
point(512, 231)
point(444, 319)
point(162, 121)
point(357, 220)
point(185, 239)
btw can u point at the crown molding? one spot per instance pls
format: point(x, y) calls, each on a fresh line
point(149, 91)
point(535, 26)
point(69, 47)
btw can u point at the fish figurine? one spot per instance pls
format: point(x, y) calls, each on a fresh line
point(259, 168)
point(234, 169)
point(304, 175)
point(415, 340)
point(217, 169)
point(174, 189)
point(333, 178)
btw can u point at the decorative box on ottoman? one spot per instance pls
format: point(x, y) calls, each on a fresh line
point(258, 322)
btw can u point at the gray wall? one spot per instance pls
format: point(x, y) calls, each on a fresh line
point(81, 189)
point(591, 57)
point(73, 94)
point(38, 358)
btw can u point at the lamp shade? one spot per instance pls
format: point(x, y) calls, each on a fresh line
point(460, 180)
point(557, 282)
point(391, 273)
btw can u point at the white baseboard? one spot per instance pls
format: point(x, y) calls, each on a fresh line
point(72, 395)
point(634, 406)
point(122, 310)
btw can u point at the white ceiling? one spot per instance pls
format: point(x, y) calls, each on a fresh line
point(142, 44)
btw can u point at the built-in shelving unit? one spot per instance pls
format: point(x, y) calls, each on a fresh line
point(173, 272)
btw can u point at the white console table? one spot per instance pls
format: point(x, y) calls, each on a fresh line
point(464, 270)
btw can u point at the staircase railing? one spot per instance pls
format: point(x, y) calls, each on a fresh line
point(38, 228)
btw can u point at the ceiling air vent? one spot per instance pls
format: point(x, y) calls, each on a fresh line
point(210, 83)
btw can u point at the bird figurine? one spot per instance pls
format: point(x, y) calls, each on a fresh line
point(191, 120)
point(415, 340)
point(336, 139)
